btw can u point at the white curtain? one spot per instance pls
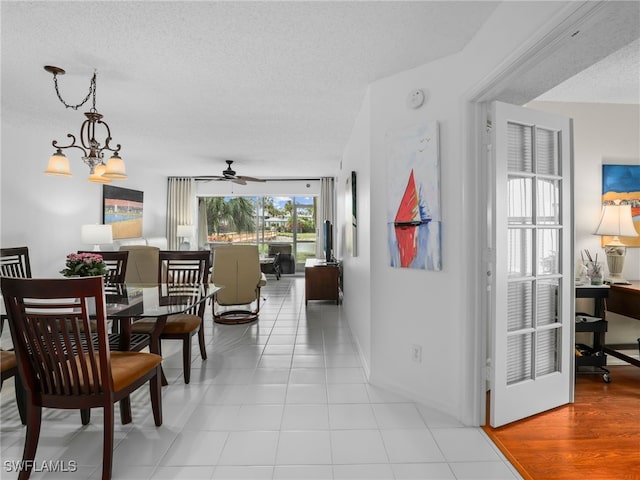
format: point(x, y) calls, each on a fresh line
point(326, 211)
point(203, 227)
point(179, 208)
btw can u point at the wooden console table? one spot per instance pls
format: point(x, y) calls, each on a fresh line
point(321, 280)
point(624, 300)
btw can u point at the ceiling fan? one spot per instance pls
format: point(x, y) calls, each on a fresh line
point(229, 175)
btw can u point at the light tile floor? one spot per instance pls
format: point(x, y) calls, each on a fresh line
point(284, 398)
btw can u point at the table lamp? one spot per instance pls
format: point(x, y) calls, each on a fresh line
point(96, 235)
point(184, 232)
point(616, 221)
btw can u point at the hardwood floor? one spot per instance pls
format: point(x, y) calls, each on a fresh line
point(596, 438)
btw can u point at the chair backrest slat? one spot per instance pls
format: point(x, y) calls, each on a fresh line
point(178, 268)
point(14, 262)
point(181, 267)
point(50, 321)
point(116, 262)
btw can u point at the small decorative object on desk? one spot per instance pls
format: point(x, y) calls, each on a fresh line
point(84, 265)
point(582, 274)
point(596, 273)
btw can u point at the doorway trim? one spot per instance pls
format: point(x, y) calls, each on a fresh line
point(477, 144)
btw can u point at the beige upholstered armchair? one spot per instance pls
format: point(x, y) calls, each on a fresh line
point(142, 264)
point(237, 268)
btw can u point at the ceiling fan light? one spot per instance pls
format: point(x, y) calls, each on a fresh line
point(97, 175)
point(115, 168)
point(58, 165)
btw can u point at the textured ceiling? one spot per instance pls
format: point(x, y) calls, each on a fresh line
point(615, 79)
point(275, 86)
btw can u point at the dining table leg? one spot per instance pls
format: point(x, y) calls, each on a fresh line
point(154, 345)
point(125, 344)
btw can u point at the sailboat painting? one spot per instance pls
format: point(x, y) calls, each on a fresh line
point(413, 198)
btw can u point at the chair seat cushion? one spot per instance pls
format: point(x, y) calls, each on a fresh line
point(7, 360)
point(176, 324)
point(126, 367)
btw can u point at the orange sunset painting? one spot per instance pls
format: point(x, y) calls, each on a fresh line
point(621, 183)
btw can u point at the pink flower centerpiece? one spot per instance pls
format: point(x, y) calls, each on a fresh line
point(84, 265)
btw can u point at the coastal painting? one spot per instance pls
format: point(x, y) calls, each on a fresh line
point(413, 198)
point(621, 183)
point(122, 209)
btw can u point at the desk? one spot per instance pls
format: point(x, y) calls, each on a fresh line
point(624, 300)
point(321, 280)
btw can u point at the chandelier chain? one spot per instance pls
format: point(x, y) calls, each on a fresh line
point(92, 92)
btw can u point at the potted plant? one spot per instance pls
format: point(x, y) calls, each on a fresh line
point(84, 265)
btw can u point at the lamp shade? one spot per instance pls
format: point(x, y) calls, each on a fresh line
point(115, 168)
point(96, 234)
point(184, 231)
point(616, 220)
point(58, 165)
point(98, 174)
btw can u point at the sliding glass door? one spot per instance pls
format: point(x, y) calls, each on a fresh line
point(263, 220)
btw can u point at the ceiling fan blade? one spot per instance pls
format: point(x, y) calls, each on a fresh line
point(210, 178)
point(239, 181)
point(251, 179)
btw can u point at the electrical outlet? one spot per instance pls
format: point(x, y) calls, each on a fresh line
point(416, 353)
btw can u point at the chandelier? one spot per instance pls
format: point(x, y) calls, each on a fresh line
point(93, 153)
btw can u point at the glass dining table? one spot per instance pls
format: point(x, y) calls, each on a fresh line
point(126, 303)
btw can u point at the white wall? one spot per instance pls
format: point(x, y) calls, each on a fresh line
point(357, 270)
point(435, 310)
point(603, 134)
point(46, 212)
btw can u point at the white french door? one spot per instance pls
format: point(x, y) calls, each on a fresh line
point(531, 281)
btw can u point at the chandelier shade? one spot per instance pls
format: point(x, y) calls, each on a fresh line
point(98, 175)
point(92, 150)
point(115, 168)
point(58, 165)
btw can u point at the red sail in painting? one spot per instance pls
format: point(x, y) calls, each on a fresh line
point(406, 223)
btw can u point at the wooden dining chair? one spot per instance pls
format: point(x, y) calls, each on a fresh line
point(116, 262)
point(9, 368)
point(14, 262)
point(175, 268)
point(61, 369)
